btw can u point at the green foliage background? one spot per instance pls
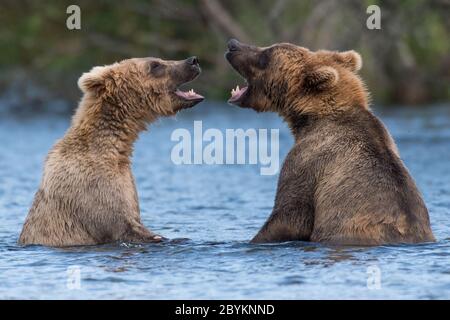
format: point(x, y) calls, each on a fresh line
point(406, 62)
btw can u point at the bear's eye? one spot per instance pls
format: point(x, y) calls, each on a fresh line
point(264, 59)
point(156, 69)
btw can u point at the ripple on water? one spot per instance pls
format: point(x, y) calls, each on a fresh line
point(217, 209)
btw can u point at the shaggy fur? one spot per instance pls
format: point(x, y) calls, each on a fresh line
point(87, 194)
point(343, 182)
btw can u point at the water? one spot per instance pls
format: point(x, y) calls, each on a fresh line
point(210, 213)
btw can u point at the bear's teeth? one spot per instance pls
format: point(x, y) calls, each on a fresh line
point(191, 93)
point(235, 91)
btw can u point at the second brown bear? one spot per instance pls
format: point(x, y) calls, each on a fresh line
point(343, 182)
point(87, 194)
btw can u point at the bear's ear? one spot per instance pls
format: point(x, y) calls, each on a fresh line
point(321, 78)
point(350, 59)
point(94, 80)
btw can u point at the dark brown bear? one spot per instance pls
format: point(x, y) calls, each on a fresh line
point(343, 182)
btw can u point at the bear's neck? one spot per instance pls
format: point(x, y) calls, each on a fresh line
point(111, 135)
point(303, 123)
point(305, 110)
point(300, 123)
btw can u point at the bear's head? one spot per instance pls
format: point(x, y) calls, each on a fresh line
point(143, 88)
point(288, 79)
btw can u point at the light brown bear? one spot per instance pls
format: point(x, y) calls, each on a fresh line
point(343, 182)
point(87, 195)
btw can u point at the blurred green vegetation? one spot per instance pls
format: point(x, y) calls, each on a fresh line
point(406, 62)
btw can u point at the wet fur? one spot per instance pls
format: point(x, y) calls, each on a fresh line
point(343, 182)
point(87, 195)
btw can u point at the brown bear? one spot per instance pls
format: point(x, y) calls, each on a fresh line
point(343, 182)
point(87, 194)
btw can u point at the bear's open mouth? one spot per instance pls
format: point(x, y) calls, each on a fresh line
point(190, 95)
point(237, 93)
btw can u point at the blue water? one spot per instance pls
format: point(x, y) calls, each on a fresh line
point(210, 213)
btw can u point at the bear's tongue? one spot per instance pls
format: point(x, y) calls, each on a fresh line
point(188, 95)
point(237, 93)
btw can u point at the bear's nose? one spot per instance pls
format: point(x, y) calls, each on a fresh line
point(234, 45)
point(193, 61)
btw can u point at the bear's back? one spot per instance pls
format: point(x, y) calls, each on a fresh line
point(363, 193)
point(81, 200)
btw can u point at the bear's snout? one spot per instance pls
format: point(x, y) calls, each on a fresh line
point(234, 45)
point(193, 61)
point(193, 67)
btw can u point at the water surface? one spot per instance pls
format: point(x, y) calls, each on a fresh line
point(210, 213)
